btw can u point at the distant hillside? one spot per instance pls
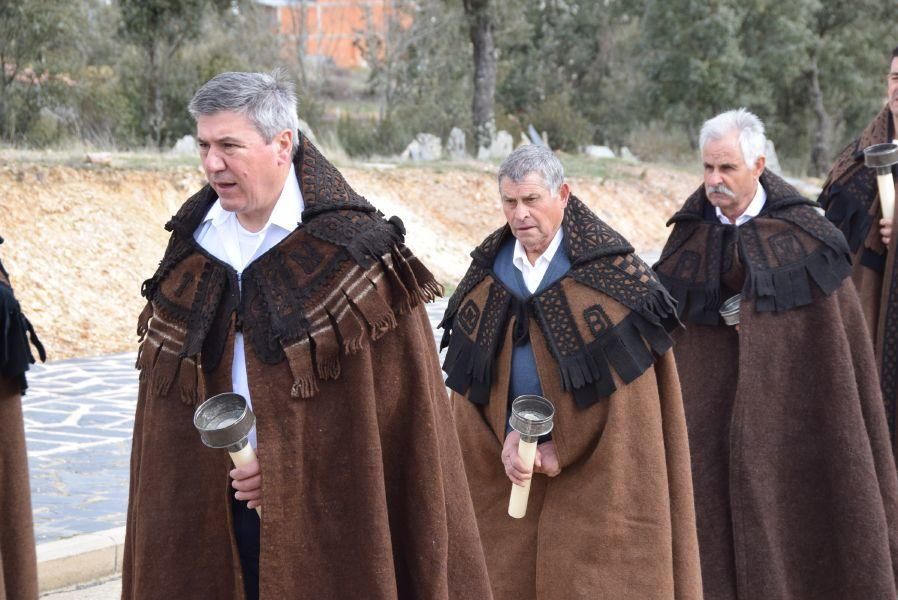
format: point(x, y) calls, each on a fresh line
point(79, 241)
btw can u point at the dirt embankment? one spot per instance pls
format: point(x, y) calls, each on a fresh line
point(79, 242)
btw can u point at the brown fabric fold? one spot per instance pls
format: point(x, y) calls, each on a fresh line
point(18, 561)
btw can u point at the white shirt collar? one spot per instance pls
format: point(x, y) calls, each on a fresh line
point(287, 210)
point(520, 255)
point(753, 210)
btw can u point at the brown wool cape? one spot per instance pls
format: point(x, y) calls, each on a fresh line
point(795, 488)
point(363, 485)
point(618, 521)
point(851, 199)
point(18, 562)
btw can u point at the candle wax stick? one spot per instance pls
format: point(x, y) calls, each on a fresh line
point(886, 195)
point(244, 456)
point(517, 503)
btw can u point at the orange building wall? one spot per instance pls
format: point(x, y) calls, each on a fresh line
point(334, 28)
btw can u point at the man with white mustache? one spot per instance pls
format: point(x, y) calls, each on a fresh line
point(792, 470)
point(850, 196)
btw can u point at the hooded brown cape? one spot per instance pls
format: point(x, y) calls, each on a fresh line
point(851, 199)
point(618, 521)
point(18, 562)
point(795, 488)
point(363, 485)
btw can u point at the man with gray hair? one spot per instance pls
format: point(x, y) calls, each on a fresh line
point(281, 284)
point(795, 489)
point(556, 303)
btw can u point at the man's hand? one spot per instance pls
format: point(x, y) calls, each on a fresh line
point(885, 229)
point(546, 461)
point(514, 466)
point(248, 483)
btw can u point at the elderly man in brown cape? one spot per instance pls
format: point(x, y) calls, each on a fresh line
point(321, 326)
point(18, 564)
point(556, 303)
point(851, 199)
point(795, 488)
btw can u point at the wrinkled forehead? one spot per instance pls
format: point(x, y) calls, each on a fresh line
point(722, 149)
point(226, 124)
point(533, 179)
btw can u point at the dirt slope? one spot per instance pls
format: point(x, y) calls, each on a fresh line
point(80, 241)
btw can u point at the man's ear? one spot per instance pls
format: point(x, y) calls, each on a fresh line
point(283, 143)
point(759, 166)
point(564, 192)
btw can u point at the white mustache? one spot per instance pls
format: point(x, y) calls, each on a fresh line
point(720, 189)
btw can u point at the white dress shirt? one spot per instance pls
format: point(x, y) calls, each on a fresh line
point(222, 236)
point(753, 210)
point(534, 273)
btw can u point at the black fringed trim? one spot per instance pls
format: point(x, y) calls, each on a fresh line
point(781, 289)
point(849, 214)
point(469, 363)
point(474, 275)
point(469, 367)
point(630, 348)
point(695, 304)
point(15, 333)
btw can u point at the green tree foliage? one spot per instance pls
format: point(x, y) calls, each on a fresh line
point(577, 57)
point(35, 36)
point(811, 69)
point(158, 29)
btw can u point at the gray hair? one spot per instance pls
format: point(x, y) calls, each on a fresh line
point(751, 133)
point(268, 100)
point(531, 158)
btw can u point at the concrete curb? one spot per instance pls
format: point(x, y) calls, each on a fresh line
point(80, 559)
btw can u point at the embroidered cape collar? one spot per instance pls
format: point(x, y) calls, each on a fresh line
point(332, 285)
point(774, 248)
point(601, 260)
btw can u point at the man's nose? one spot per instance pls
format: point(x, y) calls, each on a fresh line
point(714, 178)
point(213, 162)
point(521, 212)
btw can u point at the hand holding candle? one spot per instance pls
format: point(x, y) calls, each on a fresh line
point(882, 157)
point(225, 421)
point(531, 416)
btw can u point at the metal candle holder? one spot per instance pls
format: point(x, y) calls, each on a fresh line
point(729, 310)
point(531, 416)
point(882, 157)
point(225, 421)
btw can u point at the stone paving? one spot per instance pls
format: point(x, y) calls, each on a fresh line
point(79, 415)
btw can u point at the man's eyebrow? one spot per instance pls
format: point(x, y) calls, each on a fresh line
point(225, 140)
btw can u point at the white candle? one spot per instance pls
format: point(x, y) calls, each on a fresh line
point(886, 195)
point(517, 504)
point(242, 457)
